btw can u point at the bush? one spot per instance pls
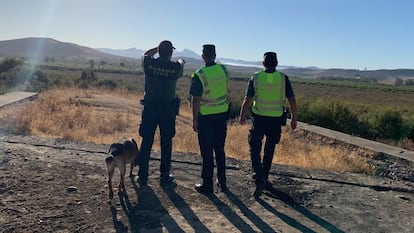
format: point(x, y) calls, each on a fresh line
point(108, 83)
point(389, 125)
point(411, 134)
point(338, 116)
point(87, 79)
point(10, 75)
point(9, 64)
point(2, 89)
point(409, 82)
point(39, 82)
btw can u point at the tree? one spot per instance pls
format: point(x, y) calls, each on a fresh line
point(409, 82)
point(399, 82)
point(92, 64)
point(39, 81)
point(9, 64)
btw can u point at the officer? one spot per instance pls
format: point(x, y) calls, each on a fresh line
point(267, 91)
point(160, 108)
point(210, 113)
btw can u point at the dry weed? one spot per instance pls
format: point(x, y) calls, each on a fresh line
point(102, 116)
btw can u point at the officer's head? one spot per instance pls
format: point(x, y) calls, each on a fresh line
point(165, 49)
point(209, 52)
point(270, 60)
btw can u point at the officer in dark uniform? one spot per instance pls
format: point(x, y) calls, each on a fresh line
point(160, 108)
point(210, 113)
point(266, 91)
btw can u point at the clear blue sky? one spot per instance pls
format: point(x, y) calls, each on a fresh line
point(372, 34)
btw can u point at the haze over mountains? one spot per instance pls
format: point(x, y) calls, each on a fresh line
point(39, 48)
point(137, 53)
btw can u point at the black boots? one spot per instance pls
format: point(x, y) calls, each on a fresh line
point(204, 189)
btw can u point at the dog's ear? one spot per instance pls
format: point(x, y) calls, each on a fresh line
point(116, 149)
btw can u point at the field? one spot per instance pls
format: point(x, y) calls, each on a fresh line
point(103, 116)
point(104, 108)
point(55, 181)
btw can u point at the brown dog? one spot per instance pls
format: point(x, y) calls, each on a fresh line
point(120, 154)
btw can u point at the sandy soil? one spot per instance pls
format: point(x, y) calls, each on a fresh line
point(49, 185)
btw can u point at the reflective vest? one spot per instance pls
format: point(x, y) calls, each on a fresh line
point(270, 93)
point(214, 81)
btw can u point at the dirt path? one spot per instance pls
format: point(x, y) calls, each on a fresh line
point(48, 185)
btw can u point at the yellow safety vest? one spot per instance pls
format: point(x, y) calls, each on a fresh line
point(214, 81)
point(270, 93)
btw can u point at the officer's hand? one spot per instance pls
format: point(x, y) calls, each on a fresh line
point(242, 120)
point(293, 124)
point(195, 125)
point(181, 61)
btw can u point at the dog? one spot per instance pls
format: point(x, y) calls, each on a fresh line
point(120, 154)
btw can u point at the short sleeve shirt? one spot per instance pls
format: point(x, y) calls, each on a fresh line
point(161, 77)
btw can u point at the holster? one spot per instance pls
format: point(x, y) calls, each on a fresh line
point(284, 116)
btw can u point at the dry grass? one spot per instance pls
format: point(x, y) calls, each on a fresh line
point(79, 115)
point(102, 116)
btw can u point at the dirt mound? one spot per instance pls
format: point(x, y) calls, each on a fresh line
point(49, 185)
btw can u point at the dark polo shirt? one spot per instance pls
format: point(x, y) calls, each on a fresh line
point(161, 77)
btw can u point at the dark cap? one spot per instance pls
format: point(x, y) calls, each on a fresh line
point(165, 48)
point(270, 59)
point(209, 50)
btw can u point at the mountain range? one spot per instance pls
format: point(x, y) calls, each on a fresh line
point(137, 53)
point(40, 48)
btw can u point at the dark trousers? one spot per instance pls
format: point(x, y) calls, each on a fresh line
point(271, 128)
point(212, 131)
point(163, 116)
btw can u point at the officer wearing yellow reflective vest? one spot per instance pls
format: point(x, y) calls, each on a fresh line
point(266, 94)
point(210, 113)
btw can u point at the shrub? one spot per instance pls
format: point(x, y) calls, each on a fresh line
point(411, 134)
point(389, 125)
point(108, 83)
point(10, 74)
point(332, 115)
point(39, 82)
point(9, 64)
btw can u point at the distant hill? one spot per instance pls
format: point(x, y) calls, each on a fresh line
point(350, 73)
point(137, 53)
point(39, 48)
point(187, 53)
point(132, 52)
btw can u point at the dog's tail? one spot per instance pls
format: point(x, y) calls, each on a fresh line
point(109, 159)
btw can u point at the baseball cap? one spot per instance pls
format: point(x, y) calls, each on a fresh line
point(209, 49)
point(165, 48)
point(166, 44)
point(270, 58)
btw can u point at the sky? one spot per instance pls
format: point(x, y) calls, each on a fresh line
point(351, 34)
